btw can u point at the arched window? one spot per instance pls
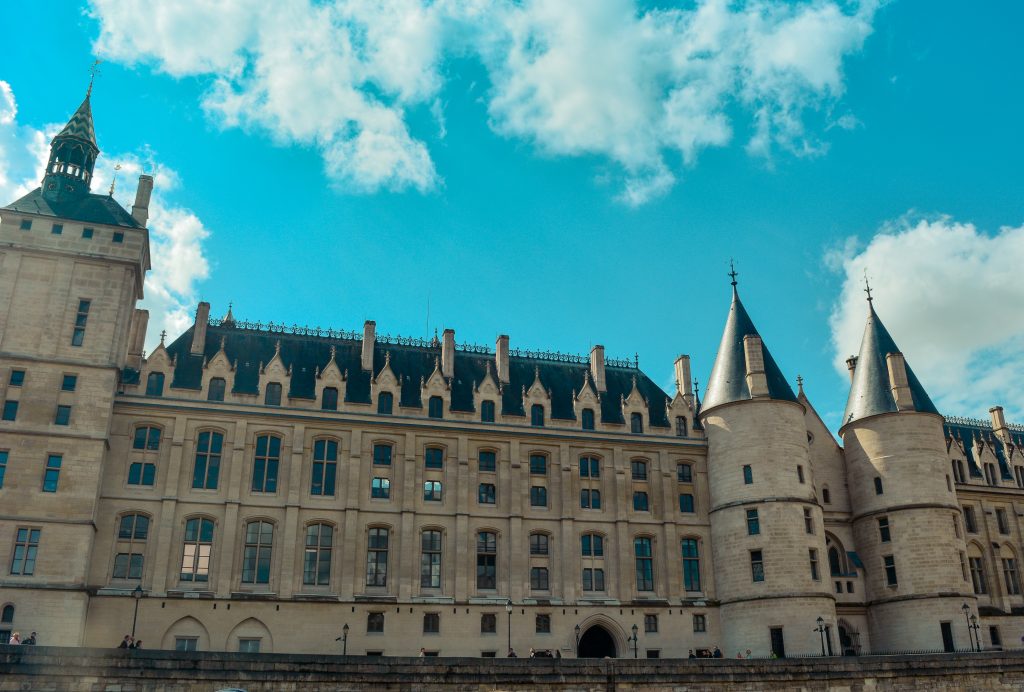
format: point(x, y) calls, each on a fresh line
point(377, 557)
point(272, 397)
point(385, 403)
point(435, 407)
point(195, 559)
point(878, 485)
point(835, 565)
point(977, 567)
point(155, 384)
point(681, 426)
point(265, 464)
point(486, 560)
point(691, 564)
point(430, 559)
point(826, 495)
point(539, 543)
point(587, 418)
point(487, 411)
point(644, 560)
point(259, 544)
point(325, 467)
point(537, 415)
point(636, 422)
point(7, 614)
point(145, 444)
point(206, 471)
point(216, 390)
point(316, 563)
point(329, 399)
point(130, 548)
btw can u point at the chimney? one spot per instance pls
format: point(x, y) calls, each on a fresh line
point(753, 351)
point(898, 381)
point(501, 358)
point(137, 340)
point(448, 353)
point(140, 210)
point(851, 365)
point(683, 384)
point(199, 335)
point(597, 367)
point(369, 339)
point(999, 423)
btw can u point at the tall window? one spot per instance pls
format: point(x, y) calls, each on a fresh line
point(325, 467)
point(329, 399)
point(487, 460)
point(691, 564)
point(684, 473)
point(537, 415)
point(593, 578)
point(636, 422)
point(259, 540)
point(195, 559)
point(206, 472)
point(539, 578)
point(686, 505)
point(382, 455)
point(81, 317)
point(813, 555)
point(889, 562)
point(638, 469)
point(16, 378)
point(430, 560)
point(377, 557)
point(681, 426)
point(539, 543)
point(155, 384)
point(756, 565)
point(3, 466)
point(800, 473)
point(435, 407)
point(380, 488)
point(826, 496)
point(969, 520)
point(63, 416)
point(978, 575)
point(592, 548)
point(488, 623)
point(385, 403)
point(538, 465)
point(650, 623)
point(26, 545)
point(487, 411)
point(68, 383)
point(1011, 576)
point(958, 471)
point(216, 390)
point(434, 458)
point(753, 523)
point(10, 410)
point(878, 485)
point(808, 521)
point(272, 397)
point(142, 469)
point(316, 560)
point(640, 503)
point(883, 530)
point(486, 494)
point(132, 532)
point(587, 419)
point(538, 496)
point(486, 560)
point(644, 561)
point(748, 474)
point(265, 464)
point(51, 475)
point(432, 491)
point(1001, 522)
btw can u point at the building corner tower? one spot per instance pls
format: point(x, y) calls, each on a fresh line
point(767, 529)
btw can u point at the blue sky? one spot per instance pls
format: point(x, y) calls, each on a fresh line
point(520, 172)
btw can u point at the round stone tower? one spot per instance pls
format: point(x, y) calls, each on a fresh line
point(768, 540)
point(906, 519)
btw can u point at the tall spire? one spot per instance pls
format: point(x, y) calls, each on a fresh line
point(73, 155)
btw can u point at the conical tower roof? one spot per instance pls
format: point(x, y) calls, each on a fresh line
point(871, 392)
point(728, 381)
point(80, 126)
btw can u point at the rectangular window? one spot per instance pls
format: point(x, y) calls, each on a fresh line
point(118, 237)
point(748, 475)
point(592, 545)
point(1011, 576)
point(691, 564)
point(486, 560)
point(10, 410)
point(63, 416)
point(890, 570)
point(486, 494)
point(431, 623)
point(206, 473)
point(883, 530)
point(382, 455)
point(539, 578)
point(638, 470)
point(756, 565)
point(813, 555)
point(265, 464)
point(488, 460)
point(700, 623)
point(590, 467)
point(644, 560)
point(538, 496)
point(3, 466)
point(329, 399)
point(487, 411)
point(256, 555)
point(978, 580)
point(68, 383)
point(808, 521)
point(26, 224)
point(800, 473)
point(539, 543)
point(51, 476)
point(680, 426)
point(753, 523)
point(538, 465)
point(316, 560)
point(640, 503)
point(325, 468)
point(969, 520)
point(684, 473)
point(654, 653)
point(434, 458)
point(593, 579)
point(1003, 524)
point(375, 622)
point(488, 623)
point(248, 646)
point(195, 559)
point(590, 499)
point(994, 636)
point(26, 545)
point(377, 557)
point(686, 503)
point(380, 488)
point(542, 624)
point(432, 491)
point(385, 403)
point(186, 643)
point(57, 229)
point(430, 560)
point(128, 566)
point(650, 623)
point(87, 233)
point(17, 378)
point(81, 317)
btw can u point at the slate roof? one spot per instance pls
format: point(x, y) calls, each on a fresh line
point(90, 208)
point(966, 431)
point(304, 354)
point(728, 381)
point(871, 393)
point(81, 125)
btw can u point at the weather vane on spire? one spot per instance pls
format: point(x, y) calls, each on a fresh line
point(113, 181)
point(867, 285)
point(732, 271)
point(93, 71)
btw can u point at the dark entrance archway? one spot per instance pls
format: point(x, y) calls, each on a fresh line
point(597, 642)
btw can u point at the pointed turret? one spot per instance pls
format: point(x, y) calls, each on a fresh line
point(881, 375)
point(73, 155)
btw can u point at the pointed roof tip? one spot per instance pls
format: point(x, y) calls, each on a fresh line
point(80, 125)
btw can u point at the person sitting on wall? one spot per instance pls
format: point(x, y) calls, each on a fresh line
point(717, 653)
point(691, 654)
point(126, 643)
point(512, 653)
point(137, 644)
point(31, 640)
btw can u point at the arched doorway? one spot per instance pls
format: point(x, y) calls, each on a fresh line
point(597, 642)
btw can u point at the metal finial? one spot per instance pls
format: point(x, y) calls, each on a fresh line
point(93, 71)
point(867, 285)
point(696, 387)
point(732, 272)
point(163, 335)
point(800, 383)
point(114, 180)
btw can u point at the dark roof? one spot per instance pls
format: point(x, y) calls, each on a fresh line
point(728, 381)
point(87, 209)
point(871, 392)
point(965, 431)
point(304, 354)
point(81, 126)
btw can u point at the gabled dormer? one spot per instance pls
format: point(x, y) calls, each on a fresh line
point(537, 401)
point(487, 396)
point(634, 410)
point(218, 376)
point(387, 385)
point(586, 404)
point(157, 370)
point(436, 393)
point(330, 385)
point(275, 380)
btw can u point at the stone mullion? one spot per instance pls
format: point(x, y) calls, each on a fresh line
point(162, 548)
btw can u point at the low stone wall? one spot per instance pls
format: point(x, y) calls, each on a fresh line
point(55, 669)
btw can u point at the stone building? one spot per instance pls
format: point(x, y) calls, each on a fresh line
point(258, 487)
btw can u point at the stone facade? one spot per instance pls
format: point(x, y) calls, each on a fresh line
point(272, 489)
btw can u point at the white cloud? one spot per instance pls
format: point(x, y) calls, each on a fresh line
point(597, 78)
point(176, 235)
point(951, 296)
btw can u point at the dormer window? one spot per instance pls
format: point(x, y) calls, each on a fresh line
point(216, 391)
point(680, 426)
point(487, 411)
point(636, 422)
point(435, 407)
point(587, 418)
point(385, 403)
point(537, 415)
point(272, 397)
point(329, 400)
point(155, 384)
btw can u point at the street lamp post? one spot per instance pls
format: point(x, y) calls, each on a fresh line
point(508, 609)
point(137, 595)
point(967, 617)
point(634, 640)
point(343, 639)
point(577, 641)
point(821, 632)
point(975, 626)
